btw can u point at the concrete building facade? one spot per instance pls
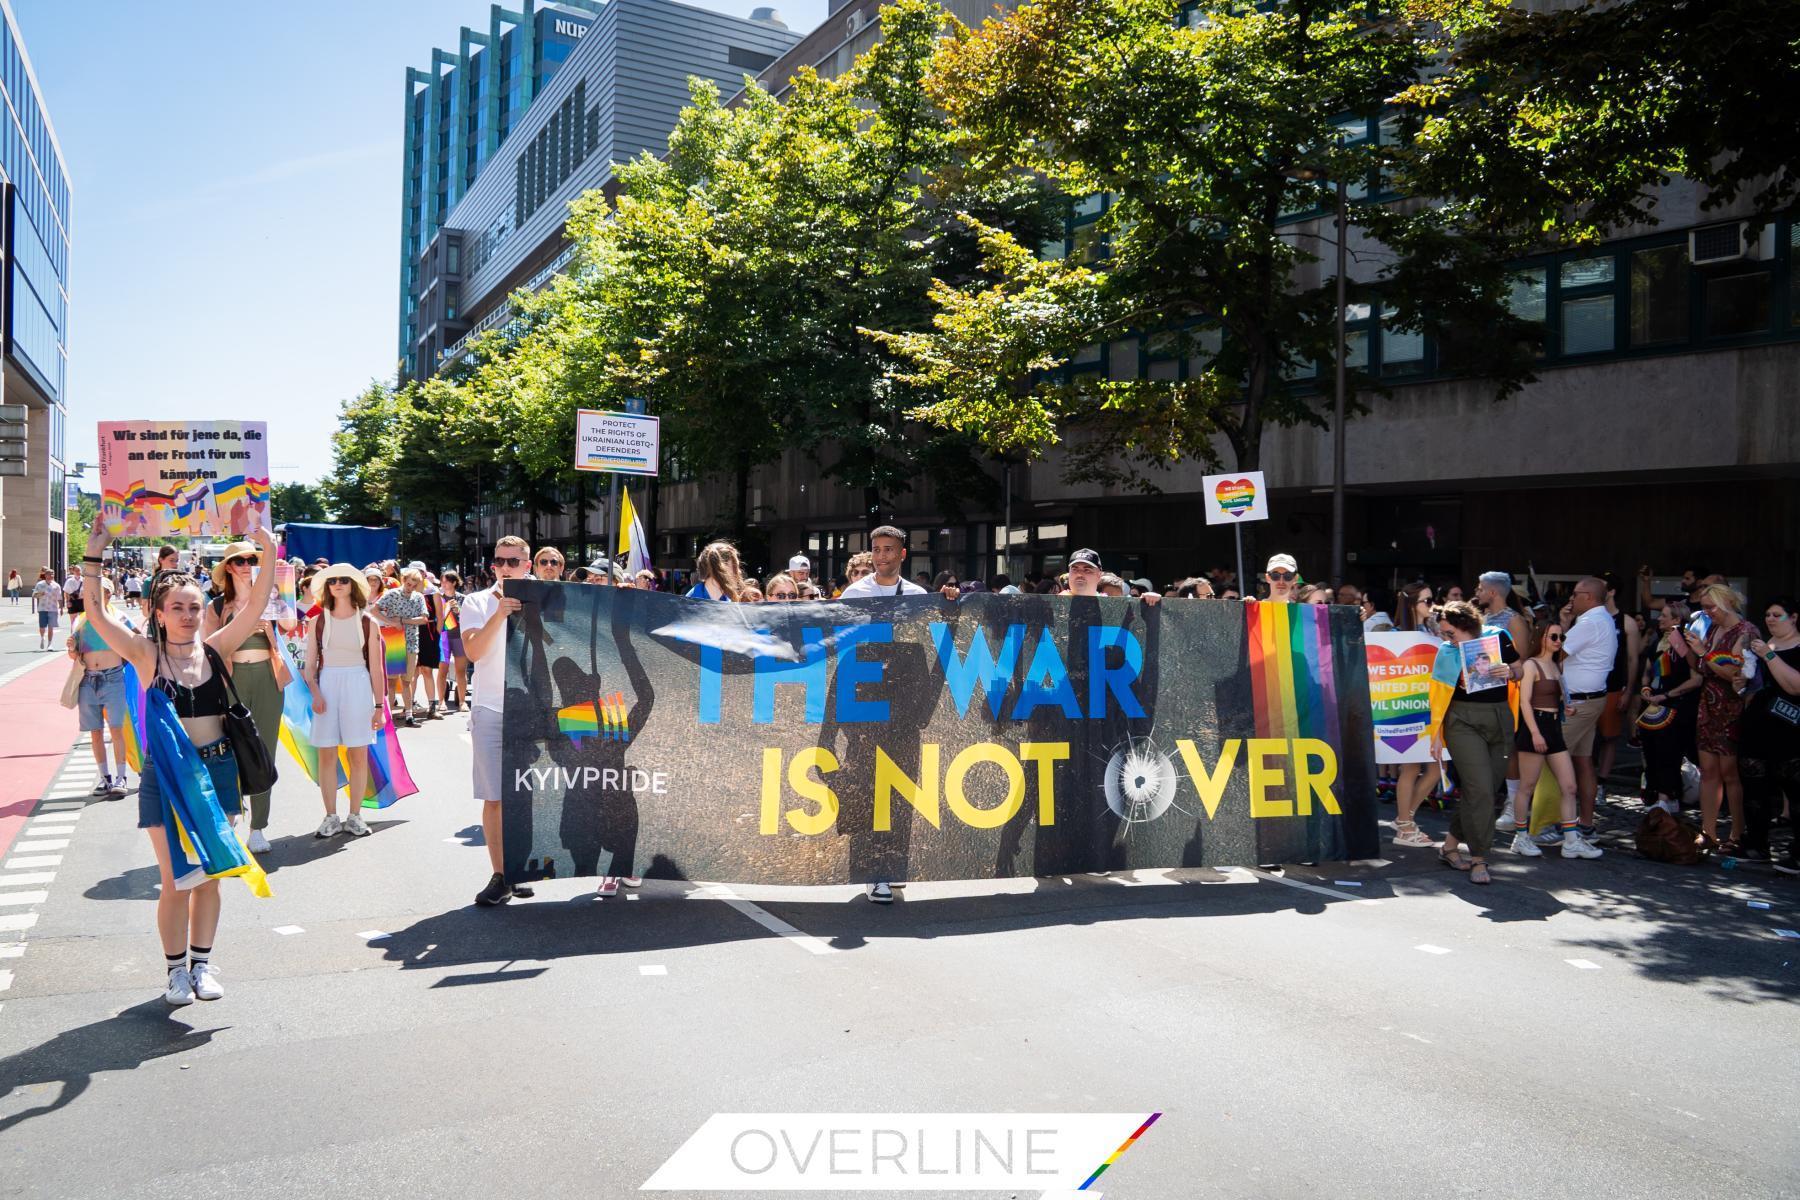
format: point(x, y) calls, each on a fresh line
point(34, 238)
point(616, 95)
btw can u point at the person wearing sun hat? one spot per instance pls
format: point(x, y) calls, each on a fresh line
point(346, 674)
point(256, 670)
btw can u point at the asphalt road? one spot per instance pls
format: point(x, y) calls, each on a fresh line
point(1582, 1030)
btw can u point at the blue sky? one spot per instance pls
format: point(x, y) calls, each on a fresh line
point(235, 171)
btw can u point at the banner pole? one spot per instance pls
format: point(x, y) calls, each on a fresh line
point(612, 518)
point(1243, 586)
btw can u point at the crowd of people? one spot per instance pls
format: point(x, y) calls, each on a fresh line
point(1689, 679)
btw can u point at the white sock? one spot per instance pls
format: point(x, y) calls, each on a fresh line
point(1512, 790)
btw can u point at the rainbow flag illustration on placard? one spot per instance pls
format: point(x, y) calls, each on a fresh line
point(602, 718)
point(393, 646)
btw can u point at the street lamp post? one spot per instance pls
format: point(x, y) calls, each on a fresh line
point(1337, 401)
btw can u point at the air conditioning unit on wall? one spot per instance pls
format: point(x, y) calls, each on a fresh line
point(1730, 242)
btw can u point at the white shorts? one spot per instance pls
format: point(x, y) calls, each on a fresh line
point(349, 707)
point(484, 732)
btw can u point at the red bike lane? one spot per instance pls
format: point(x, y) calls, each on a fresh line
point(35, 734)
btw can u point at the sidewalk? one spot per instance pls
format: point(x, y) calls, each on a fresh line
point(35, 735)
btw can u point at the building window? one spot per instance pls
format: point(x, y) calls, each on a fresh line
point(1587, 317)
point(1402, 350)
point(1659, 295)
point(1737, 304)
point(750, 60)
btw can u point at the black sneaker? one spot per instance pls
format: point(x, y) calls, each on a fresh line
point(498, 891)
point(1787, 866)
point(881, 893)
point(522, 891)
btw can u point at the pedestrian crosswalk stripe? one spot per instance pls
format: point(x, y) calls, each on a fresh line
point(13, 899)
point(17, 921)
point(655, 969)
point(1582, 964)
point(30, 844)
point(42, 860)
point(12, 950)
point(27, 877)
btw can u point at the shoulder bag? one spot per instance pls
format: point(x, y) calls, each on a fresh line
point(256, 766)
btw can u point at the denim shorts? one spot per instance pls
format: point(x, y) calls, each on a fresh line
point(103, 699)
point(223, 769)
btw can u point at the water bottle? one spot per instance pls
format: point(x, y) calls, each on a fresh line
point(1728, 863)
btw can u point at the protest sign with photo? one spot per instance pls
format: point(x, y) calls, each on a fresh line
point(1482, 664)
point(198, 478)
point(912, 738)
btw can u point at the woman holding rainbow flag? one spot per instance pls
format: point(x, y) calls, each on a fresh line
point(191, 757)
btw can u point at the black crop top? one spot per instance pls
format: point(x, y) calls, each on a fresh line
point(207, 700)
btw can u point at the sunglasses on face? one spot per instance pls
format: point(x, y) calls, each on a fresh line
point(242, 560)
point(549, 562)
point(1281, 576)
point(1553, 637)
point(784, 595)
point(509, 561)
point(338, 582)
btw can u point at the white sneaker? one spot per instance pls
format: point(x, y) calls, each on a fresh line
point(181, 988)
point(881, 893)
point(206, 982)
point(258, 843)
point(1506, 824)
point(330, 827)
point(632, 880)
point(1576, 846)
point(355, 826)
point(1523, 846)
point(119, 785)
point(609, 886)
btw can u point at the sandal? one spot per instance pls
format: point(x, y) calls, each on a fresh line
point(1454, 860)
point(1478, 873)
point(1731, 848)
point(1408, 833)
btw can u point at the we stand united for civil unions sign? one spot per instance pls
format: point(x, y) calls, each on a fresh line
point(918, 738)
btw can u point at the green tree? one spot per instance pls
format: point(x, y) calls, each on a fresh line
point(1206, 135)
point(296, 502)
point(363, 452)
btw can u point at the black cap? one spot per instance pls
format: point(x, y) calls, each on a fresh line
point(1084, 555)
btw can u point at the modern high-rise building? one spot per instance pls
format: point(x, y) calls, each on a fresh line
point(34, 238)
point(459, 111)
point(494, 154)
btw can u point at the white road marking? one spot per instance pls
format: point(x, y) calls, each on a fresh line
point(1295, 883)
point(15, 922)
point(655, 969)
point(12, 898)
point(631, 895)
point(6, 978)
point(25, 877)
point(1415, 1037)
point(1582, 964)
point(31, 847)
point(1430, 949)
point(31, 666)
point(285, 930)
point(371, 935)
point(61, 806)
point(774, 924)
point(13, 950)
point(1150, 877)
point(45, 860)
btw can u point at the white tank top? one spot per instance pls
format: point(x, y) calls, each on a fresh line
point(343, 641)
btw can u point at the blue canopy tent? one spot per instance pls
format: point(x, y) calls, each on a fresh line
point(358, 545)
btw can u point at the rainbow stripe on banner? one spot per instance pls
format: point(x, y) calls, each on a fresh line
point(603, 718)
point(389, 779)
point(393, 650)
point(1290, 670)
point(134, 728)
point(1120, 1152)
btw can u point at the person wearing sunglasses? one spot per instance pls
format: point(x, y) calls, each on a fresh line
point(782, 587)
point(1283, 577)
point(256, 670)
point(484, 619)
point(548, 565)
point(1770, 743)
point(1539, 741)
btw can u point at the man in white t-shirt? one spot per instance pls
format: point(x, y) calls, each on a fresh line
point(484, 616)
point(47, 600)
point(887, 546)
point(1588, 649)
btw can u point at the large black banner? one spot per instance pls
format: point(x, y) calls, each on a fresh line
point(919, 738)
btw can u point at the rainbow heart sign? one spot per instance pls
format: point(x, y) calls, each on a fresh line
point(1399, 694)
point(1235, 498)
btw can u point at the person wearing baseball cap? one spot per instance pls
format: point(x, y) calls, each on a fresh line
point(1283, 577)
point(1085, 574)
point(799, 568)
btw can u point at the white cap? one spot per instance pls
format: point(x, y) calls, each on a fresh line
point(416, 565)
point(799, 563)
point(1282, 562)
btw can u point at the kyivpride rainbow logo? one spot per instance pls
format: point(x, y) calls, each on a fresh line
point(602, 718)
point(1235, 496)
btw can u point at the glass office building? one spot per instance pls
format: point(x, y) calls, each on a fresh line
point(460, 110)
point(34, 225)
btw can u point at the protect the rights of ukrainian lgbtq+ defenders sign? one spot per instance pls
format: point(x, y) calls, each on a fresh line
point(918, 738)
point(625, 443)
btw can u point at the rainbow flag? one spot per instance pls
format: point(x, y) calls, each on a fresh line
point(603, 718)
point(393, 644)
point(134, 728)
point(389, 779)
point(1291, 672)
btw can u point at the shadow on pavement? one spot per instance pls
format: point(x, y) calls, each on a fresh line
point(118, 1043)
